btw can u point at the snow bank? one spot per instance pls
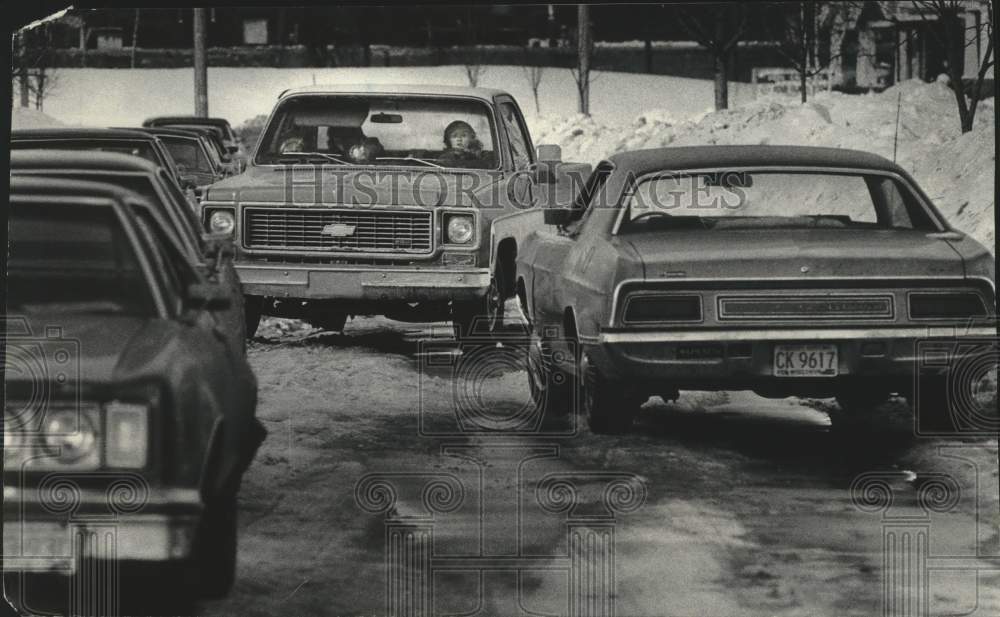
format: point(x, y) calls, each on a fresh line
point(956, 170)
point(26, 118)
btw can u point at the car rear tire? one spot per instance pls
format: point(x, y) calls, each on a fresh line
point(215, 548)
point(609, 406)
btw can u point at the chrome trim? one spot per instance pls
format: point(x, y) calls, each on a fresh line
point(933, 215)
point(764, 335)
point(887, 312)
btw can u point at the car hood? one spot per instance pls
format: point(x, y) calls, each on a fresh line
point(102, 349)
point(362, 186)
point(794, 253)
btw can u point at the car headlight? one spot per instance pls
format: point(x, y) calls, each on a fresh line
point(221, 221)
point(71, 437)
point(128, 434)
point(460, 229)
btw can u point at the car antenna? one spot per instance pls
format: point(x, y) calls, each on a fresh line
point(895, 135)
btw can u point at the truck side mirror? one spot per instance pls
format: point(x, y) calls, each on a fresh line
point(549, 152)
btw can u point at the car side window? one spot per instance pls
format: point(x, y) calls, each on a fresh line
point(172, 271)
point(516, 135)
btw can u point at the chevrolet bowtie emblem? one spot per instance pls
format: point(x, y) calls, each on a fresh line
point(338, 230)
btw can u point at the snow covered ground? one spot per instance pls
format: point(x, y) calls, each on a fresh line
point(629, 111)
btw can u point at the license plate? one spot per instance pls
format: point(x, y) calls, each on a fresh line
point(805, 361)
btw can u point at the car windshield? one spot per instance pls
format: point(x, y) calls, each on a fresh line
point(187, 154)
point(143, 149)
point(380, 130)
point(767, 199)
point(68, 258)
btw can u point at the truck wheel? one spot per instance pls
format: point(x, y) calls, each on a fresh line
point(215, 549)
point(609, 407)
point(333, 321)
point(252, 310)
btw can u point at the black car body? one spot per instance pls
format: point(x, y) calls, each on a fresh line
point(212, 254)
point(134, 451)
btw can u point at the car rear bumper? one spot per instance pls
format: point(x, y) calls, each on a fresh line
point(364, 283)
point(744, 359)
point(39, 538)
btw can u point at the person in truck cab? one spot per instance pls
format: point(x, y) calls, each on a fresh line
point(462, 144)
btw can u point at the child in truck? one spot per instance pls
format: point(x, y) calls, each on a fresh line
point(462, 145)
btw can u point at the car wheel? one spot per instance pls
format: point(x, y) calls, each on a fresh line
point(333, 321)
point(252, 312)
point(215, 549)
point(495, 305)
point(551, 378)
point(609, 407)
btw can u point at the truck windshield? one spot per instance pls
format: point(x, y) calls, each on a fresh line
point(775, 198)
point(379, 130)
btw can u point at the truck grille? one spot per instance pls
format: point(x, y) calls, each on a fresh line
point(345, 230)
point(805, 307)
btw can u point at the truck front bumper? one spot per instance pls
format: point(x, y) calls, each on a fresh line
point(39, 538)
point(364, 283)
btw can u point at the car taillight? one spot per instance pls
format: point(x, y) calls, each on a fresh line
point(654, 309)
point(127, 434)
point(945, 305)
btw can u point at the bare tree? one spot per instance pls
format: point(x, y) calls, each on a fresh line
point(794, 28)
point(717, 27)
point(954, 41)
point(533, 69)
point(33, 51)
point(584, 56)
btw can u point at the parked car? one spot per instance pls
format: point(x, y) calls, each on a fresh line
point(234, 145)
point(196, 159)
point(782, 270)
point(212, 254)
point(354, 203)
point(217, 147)
point(127, 419)
point(121, 141)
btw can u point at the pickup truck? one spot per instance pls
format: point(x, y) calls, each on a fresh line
point(379, 200)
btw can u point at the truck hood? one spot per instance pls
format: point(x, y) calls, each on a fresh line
point(794, 253)
point(390, 186)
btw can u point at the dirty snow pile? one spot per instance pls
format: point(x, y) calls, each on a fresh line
point(27, 118)
point(955, 170)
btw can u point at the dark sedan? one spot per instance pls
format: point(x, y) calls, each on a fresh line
point(128, 421)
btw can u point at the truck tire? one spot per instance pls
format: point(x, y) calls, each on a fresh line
point(252, 311)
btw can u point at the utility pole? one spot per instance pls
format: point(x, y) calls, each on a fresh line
point(583, 50)
point(200, 64)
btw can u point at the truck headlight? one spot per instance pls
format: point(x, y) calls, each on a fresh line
point(128, 434)
point(460, 229)
point(221, 221)
point(71, 437)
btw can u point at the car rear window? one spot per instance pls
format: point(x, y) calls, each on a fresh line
point(188, 154)
point(72, 258)
point(754, 199)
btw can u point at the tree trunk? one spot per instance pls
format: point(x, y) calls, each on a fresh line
point(200, 65)
point(583, 57)
point(802, 85)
